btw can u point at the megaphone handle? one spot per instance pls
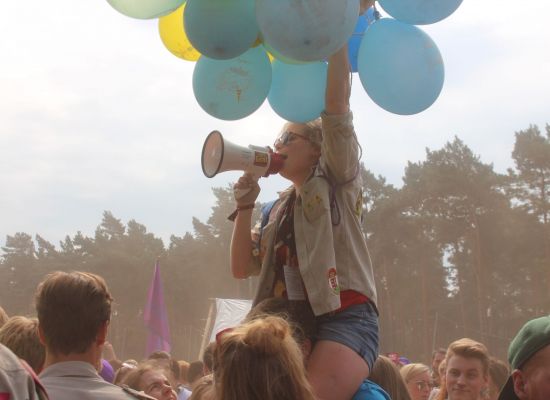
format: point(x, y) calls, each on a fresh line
point(240, 193)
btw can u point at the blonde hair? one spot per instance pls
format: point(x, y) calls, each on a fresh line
point(3, 317)
point(312, 129)
point(20, 335)
point(260, 360)
point(386, 374)
point(469, 348)
point(204, 389)
point(409, 371)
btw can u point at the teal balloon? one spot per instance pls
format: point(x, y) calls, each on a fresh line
point(297, 92)
point(420, 12)
point(232, 89)
point(221, 29)
point(145, 9)
point(400, 67)
point(306, 30)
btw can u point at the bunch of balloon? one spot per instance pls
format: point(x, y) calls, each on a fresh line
point(298, 91)
point(306, 30)
point(174, 38)
point(420, 12)
point(221, 29)
point(399, 65)
point(145, 9)
point(354, 41)
point(232, 89)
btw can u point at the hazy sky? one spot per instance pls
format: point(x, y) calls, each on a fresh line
point(95, 114)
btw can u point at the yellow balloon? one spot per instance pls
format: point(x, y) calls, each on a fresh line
point(174, 38)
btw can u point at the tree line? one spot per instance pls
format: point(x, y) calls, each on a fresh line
point(459, 250)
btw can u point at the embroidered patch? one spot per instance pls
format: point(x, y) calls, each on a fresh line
point(333, 280)
point(315, 201)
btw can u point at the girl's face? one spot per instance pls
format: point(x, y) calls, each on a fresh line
point(465, 378)
point(420, 386)
point(301, 154)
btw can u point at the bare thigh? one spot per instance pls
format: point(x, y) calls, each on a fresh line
point(335, 371)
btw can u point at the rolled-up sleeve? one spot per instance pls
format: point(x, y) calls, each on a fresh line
point(340, 150)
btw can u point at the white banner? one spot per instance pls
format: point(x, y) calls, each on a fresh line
point(229, 314)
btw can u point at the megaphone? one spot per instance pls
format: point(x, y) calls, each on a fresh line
point(219, 155)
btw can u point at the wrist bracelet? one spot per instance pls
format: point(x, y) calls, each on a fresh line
point(240, 208)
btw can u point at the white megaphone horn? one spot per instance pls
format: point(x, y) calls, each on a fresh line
point(219, 155)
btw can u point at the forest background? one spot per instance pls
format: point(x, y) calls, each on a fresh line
point(458, 251)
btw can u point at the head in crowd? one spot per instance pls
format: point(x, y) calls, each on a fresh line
point(438, 356)
point(208, 358)
point(3, 317)
point(150, 379)
point(529, 357)
point(299, 316)
point(196, 371)
point(121, 373)
point(386, 374)
point(418, 380)
point(467, 374)
point(260, 360)
point(159, 355)
point(204, 389)
point(74, 310)
point(20, 335)
point(442, 390)
point(184, 370)
point(498, 374)
point(171, 367)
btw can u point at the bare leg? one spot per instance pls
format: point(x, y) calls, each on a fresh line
point(335, 371)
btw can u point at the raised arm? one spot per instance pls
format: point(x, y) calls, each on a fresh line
point(338, 83)
point(340, 150)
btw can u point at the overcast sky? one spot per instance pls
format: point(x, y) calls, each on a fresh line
point(95, 114)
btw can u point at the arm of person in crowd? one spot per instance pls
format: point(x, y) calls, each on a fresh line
point(340, 150)
point(242, 263)
point(109, 352)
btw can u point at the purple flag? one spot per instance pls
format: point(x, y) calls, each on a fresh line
point(155, 317)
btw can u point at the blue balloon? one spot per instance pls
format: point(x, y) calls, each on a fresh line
point(355, 40)
point(298, 91)
point(400, 67)
point(420, 12)
point(306, 30)
point(221, 29)
point(232, 89)
point(145, 9)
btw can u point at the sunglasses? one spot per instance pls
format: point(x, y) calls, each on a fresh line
point(287, 137)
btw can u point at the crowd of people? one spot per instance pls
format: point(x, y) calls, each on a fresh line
point(64, 354)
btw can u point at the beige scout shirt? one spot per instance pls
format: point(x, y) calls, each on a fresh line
point(78, 380)
point(331, 257)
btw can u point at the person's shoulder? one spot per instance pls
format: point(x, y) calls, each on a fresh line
point(16, 379)
point(368, 390)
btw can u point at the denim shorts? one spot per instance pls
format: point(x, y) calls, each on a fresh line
point(355, 327)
